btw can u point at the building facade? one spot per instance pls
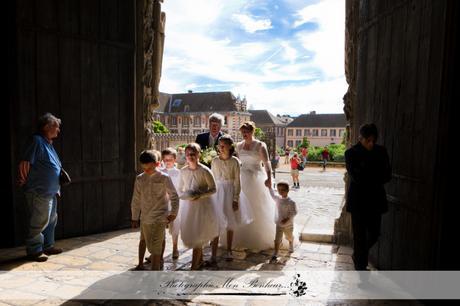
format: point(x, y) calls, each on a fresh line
point(188, 113)
point(320, 129)
point(273, 127)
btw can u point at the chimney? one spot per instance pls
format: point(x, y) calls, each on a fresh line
point(313, 113)
point(190, 91)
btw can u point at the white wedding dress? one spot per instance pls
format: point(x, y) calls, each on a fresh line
point(260, 234)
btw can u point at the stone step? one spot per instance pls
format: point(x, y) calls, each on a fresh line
point(317, 237)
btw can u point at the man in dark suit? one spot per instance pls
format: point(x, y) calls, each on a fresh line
point(211, 138)
point(368, 169)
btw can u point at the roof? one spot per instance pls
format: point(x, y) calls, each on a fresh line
point(164, 99)
point(261, 117)
point(223, 101)
point(319, 120)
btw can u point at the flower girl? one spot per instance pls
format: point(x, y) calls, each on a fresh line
point(229, 212)
point(199, 224)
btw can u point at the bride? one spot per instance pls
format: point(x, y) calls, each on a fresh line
point(255, 176)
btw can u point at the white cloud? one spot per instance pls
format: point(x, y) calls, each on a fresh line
point(328, 43)
point(322, 97)
point(250, 24)
point(263, 70)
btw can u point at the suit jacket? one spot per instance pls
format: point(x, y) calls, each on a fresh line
point(203, 140)
point(368, 171)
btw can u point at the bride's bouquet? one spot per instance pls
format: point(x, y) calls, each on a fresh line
point(207, 156)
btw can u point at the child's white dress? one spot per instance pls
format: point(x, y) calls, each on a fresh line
point(227, 176)
point(199, 224)
point(174, 174)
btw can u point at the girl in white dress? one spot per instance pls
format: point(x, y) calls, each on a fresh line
point(255, 176)
point(226, 170)
point(199, 224)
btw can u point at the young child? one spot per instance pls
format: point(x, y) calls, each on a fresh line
point(198, 219)
point(168, 157)
point(181, 162)
point(226, 170)
point(286, 209)
point(153, 190)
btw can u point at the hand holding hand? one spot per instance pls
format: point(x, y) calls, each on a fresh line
point(171, 218)
point(235, 205)
point(268, 182)
point(134, 223)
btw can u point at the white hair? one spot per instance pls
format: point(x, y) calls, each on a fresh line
point(217, 118)
point(46, 119)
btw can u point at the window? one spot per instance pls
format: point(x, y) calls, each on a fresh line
point(315, 132)
point(197, 121)
point(196, 132)
point(323, 132)
point(332, 133)
point(173, 120)
point(290, 143)
point(173, 131)
point(297, 142)
point(177, 102)
point(186, 108)
point(298, 132)
point(341, 131)
point(184, 132)
point(185, 121)
point(290, 132)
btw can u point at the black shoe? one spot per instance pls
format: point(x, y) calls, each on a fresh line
point(52, 251)
point(38, 257)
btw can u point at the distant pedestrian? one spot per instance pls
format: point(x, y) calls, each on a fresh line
point(304, 153)
point(295, 162)
point(369, 169)
point(286, 155)
point(325, 155)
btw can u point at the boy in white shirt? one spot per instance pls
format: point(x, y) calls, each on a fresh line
point(153, 191)
point(286, 209)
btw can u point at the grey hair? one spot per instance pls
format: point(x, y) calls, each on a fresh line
point(217, 118)
point(46, 119)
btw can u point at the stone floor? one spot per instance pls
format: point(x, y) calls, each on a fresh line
point(318, 199)
point(117, 251)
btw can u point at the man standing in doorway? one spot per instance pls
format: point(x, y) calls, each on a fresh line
point(39, 171)
point(369, 169)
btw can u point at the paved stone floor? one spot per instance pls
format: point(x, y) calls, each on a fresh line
point(320, 198)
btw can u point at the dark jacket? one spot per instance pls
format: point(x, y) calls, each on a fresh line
point(368, 171)
point(203, 140)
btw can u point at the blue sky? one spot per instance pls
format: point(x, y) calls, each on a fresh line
point(285, 56)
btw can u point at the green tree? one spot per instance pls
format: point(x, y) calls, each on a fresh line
point(259, 134)
point(304, 144)
point(159, 128)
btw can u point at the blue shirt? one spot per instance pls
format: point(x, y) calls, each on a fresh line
point(45, 167)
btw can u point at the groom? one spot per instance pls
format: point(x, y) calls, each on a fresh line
point(211, 138)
